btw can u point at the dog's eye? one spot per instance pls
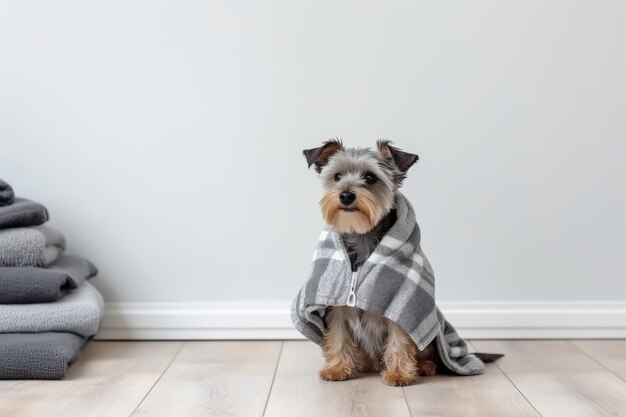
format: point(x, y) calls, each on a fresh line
point(337, 176)
point(370, 178)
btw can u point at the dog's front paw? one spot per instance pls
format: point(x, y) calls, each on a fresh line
point(397, 379)
point(427, 368)
point(335, 373)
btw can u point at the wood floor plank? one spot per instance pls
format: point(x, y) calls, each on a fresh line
point(300, 357)
point(305, 395)
point(110, 379)
point(215, 379)
point(298, 391)
point(539, 356)
point(610, 353)
point(490, 394)
point(7, 385)
point(574, 395)
point(560, 380)
point(203, 358)
point(106, 359)
point(220, 394)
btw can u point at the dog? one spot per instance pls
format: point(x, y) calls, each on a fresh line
point(358, 202)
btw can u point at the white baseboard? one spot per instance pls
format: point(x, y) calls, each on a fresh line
point(475, 320)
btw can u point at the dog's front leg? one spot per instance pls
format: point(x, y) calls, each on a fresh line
point(399, 358)
point(340, 350)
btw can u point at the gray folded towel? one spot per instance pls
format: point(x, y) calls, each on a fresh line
point(30, 246)
point(6, 194)
point(78, 312)
point(27, 284)
point(38, 355)
point(22, 213)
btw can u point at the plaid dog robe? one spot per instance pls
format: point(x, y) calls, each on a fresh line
point(396, 282)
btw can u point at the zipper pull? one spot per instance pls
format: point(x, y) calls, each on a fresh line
point(352, 297)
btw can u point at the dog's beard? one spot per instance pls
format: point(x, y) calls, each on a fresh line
point(364, 215)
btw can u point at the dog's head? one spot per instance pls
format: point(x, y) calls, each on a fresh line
point(359, 183)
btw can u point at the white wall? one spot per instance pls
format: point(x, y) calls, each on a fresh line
point(165, 137)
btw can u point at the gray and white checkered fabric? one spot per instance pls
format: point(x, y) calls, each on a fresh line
point(396, 282)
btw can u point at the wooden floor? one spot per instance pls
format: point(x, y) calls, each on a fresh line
point(187, 379)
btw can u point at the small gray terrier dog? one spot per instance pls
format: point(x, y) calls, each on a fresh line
point(358, 202)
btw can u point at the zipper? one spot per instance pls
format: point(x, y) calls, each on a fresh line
point(351, 302)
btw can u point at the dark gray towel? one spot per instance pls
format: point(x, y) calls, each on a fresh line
point(6, 194)
point(22, 213)
point(20, 285)
point(38, 355)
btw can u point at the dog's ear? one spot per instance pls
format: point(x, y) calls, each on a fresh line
point(403, 160)
point(320, 156)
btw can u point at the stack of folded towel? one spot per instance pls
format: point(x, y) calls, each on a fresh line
point(48, 311)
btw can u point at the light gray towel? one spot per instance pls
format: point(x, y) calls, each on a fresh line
point(30, 246)
point(22, 213)
point(6, 194)
point(396, 282)
point(78, 312)
point(28, 284)
point(38, 355)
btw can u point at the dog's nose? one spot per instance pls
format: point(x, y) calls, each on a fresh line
point(347, 197)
